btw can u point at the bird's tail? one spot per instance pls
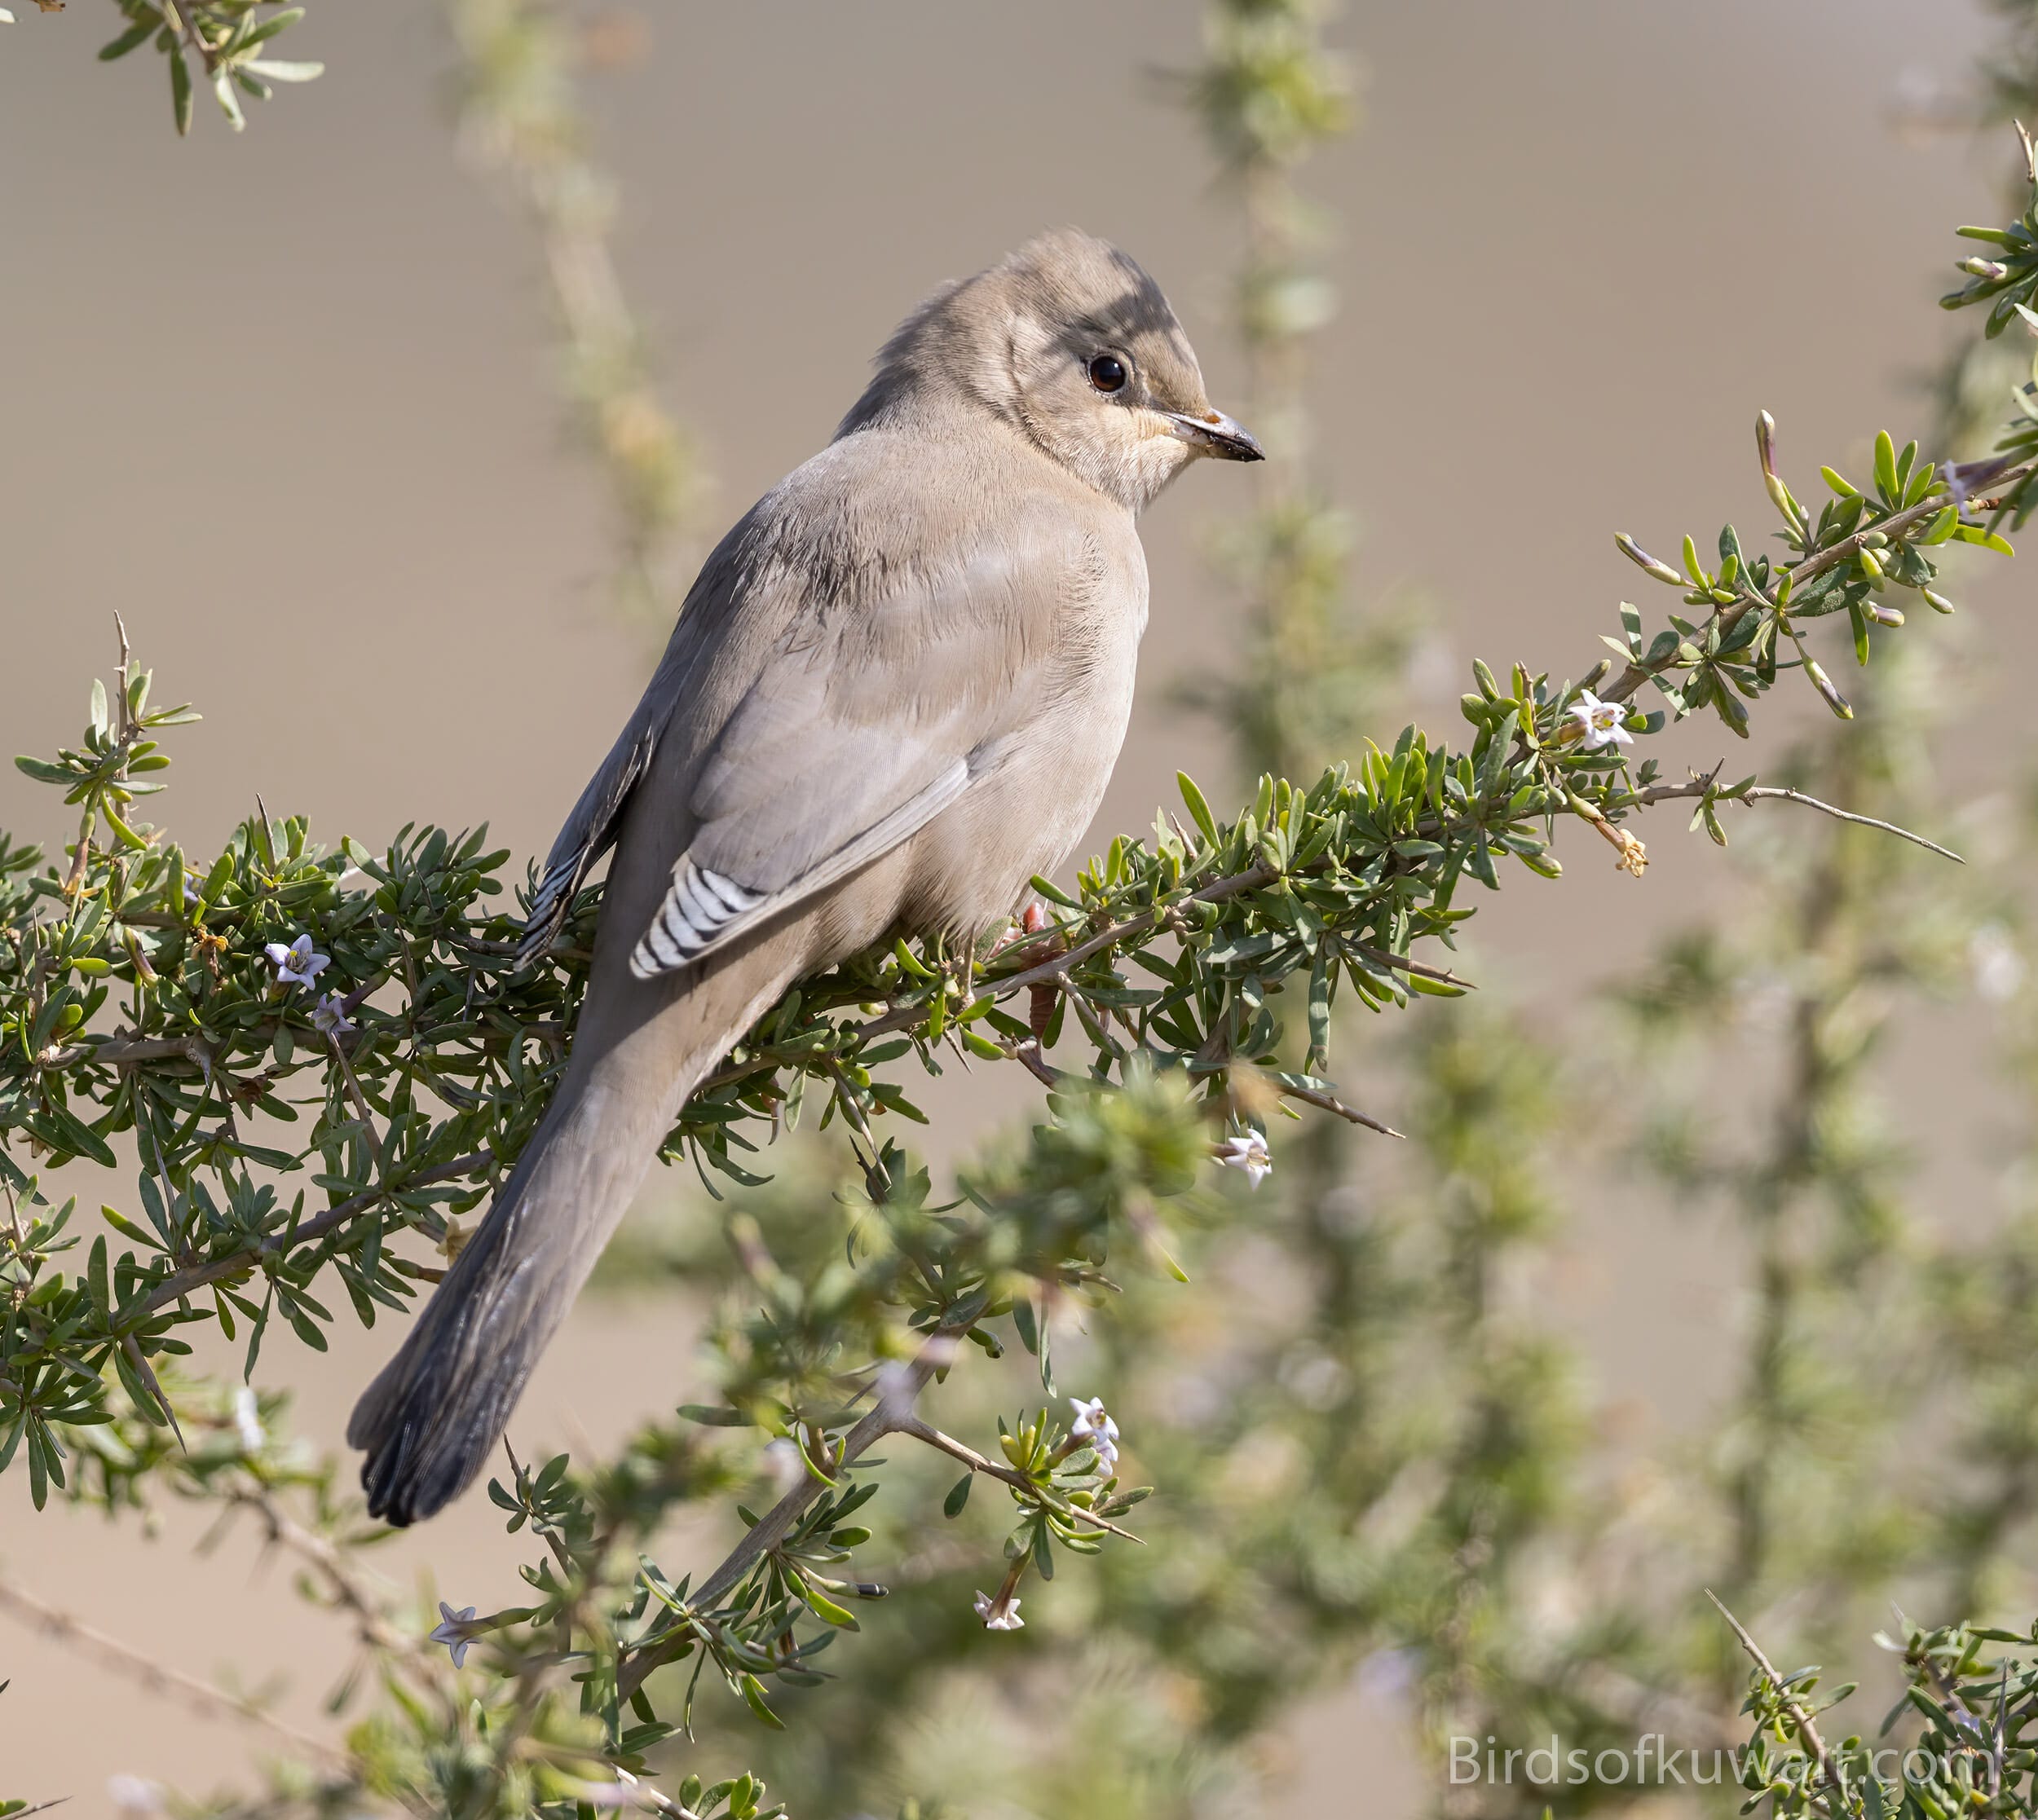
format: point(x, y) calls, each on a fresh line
point(428, 1422)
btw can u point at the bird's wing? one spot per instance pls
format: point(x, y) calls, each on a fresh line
point(588, 833)
point(860, 727)
point(713, 605)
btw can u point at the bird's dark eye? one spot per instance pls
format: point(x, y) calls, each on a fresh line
point(1107, 372)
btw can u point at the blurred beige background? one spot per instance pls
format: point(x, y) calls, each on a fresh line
point(284, 401)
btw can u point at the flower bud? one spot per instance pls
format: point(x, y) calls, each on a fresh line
point(1869, 567)
point(1883, 615)
point(1938, 603)
point(1641, 558)
point(1823, 683)
point(1984, 268)
point(1766, 443)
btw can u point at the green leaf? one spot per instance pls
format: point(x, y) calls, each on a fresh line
point(179, 90)
point(1989, 540)
point(958, 1496)
point(282, 72)
point(753, 1695)
point(1198, 809)
point(229, 101)
point(131, 39)
point(268, 28)
point(826, 1609)
point(96, 1281)
point(123, 1225)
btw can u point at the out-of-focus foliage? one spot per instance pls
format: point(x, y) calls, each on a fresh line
point(522, 118)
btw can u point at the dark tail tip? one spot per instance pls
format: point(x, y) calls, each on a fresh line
point(397, 1491)
point(429, 1422)
point(425, 1443)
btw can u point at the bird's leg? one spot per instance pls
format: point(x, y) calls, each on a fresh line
point(1041, 996)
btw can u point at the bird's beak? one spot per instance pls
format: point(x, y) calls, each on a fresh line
point(1215, 433)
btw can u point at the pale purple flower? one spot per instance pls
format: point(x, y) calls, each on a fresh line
point(298, 963)
point(1001, 1613)
point(329, 1016)
point(1093, 1425)
point(452, 1632)
point(1601, 721)
point(1248, 1151)
point(1388, 1674)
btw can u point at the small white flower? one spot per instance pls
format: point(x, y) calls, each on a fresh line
point(1247, 1151)
point(247, 1418)
point(452, 1632)
point(298, 963)
point(1093, 1425)
point(133, 1798)
point(1001, 1613)
point(329, 1016)
point(1998, 968)
point(1601, 721)
point(782, 1461)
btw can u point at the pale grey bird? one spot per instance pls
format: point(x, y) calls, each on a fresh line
point(895, 692)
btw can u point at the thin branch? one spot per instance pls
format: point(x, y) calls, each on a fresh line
point(184, 16)
point(1330, 1103)
point(284, 1531)
point(906, 1016)
point(1664, 793)
point(181, 1282)
point(121, 1051)
point(154, 1677)
point(1806, 1730)
point(894, 1407)
point(1402, 963)
point(977, 1463)
point(1893, 527)
point(362, 1110)
point(1029, 1056)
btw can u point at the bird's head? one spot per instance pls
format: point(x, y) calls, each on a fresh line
point(1069, 340)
